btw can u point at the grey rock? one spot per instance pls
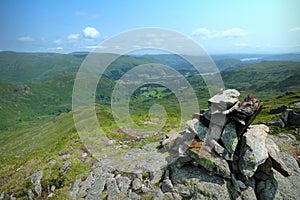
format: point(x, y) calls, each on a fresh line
point(3, 195)
point(112, 187)
point(290, 162)
point(12, 197)
point(158, 194)
point(207, 190)
point(74, 189)
point(183, 191)
point(85, 186)
point(98, 183)
point(229, 137)
point(277, 162)
point(214, 132)
point(167, 186)
point(133, 196)
point(172, 196)
point(65, 156)
point(287, 187)
point(225, 99)
point(289, 137)
point(211, 161)
point(36, 181)
point(30, 194)
point(139, 159)
point(278, 123)
point(136, 184)
point(196, 127)
point(52, 162)
point(253, 149)
point(66, 166)
point(123, 183)
point(278, 110)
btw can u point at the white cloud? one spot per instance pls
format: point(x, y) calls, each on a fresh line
point(242, 45)
point(234, 32)
point(58, 41)
point(205, 33)
point(90, 32)
point(26, 39)
point(294, 29)
point(73, 36)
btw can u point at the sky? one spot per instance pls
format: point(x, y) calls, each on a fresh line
point(220, 27)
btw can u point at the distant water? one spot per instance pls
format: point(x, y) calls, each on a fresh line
point(250, 59)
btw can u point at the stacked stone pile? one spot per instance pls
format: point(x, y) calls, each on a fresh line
point(225, 143)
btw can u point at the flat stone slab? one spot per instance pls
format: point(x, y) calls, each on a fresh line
point(208, 159)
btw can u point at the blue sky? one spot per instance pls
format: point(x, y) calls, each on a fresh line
point(232, 26)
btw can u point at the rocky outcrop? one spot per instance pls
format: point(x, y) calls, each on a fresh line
point(36, 181)
point(289, 117)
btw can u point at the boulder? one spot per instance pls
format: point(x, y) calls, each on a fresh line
point(253, 149)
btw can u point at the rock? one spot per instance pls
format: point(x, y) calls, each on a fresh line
point(123, 183)
point(210, 161)
point(197, 128)
point(167, 186)
point(172, 143)
point(207, 190)
point(74, 189)
point(214, 132)
point(287, 187)
point(264, 170)
point(158, 194)
point(289, 137)
point(294, 119)
point(12, 197)
point(3, 195)
point(139, 159)
point(65, 156)
point(172, 196)
point(229, 137)
point(238, 185)
point(98, 183)
point(253, 149)
point(133, 196)
point(112, 187)
point(279, 123)
point(66, 166)
point(136, 184)
point(278, 110)
point(85, 186)
point(266, 190)
point(183, 191)
point(225, 99)
point(36, 181)
point(30, 194)
point(277, 162)
point(220, 150)
point(52, 162)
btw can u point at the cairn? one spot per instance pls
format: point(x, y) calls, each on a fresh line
point(222, 140)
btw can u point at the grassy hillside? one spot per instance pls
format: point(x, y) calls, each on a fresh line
point(267, 78)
